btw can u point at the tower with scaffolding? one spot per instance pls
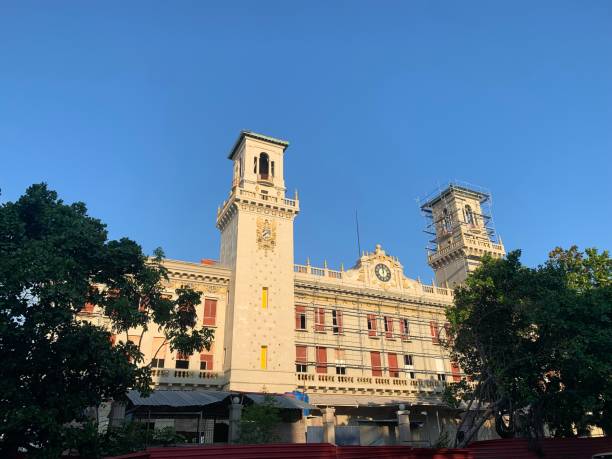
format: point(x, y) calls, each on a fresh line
point(459, 223)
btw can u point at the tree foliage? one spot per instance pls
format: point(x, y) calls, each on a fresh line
point(259, 422)
point(55, 258)
point(536, 344)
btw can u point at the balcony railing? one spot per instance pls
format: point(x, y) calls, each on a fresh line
point(370, 383)
point(174, 376)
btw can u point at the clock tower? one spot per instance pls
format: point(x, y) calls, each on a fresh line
point(256, 224)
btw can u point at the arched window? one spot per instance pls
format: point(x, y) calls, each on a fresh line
point(264, 166)
point(447, 220)
point(469, 215)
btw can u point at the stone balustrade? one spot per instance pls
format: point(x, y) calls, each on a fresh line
point(368, 383)
point(195, 377)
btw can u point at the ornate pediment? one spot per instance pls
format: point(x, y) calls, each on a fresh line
point(378, 270)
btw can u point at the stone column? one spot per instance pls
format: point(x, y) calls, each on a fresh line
point(235, 413)
point(329, 425)
point(403, 424)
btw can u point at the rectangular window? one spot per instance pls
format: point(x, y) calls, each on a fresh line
point(264, 297)
point(456, 372)
point(388, 327)
point(440, 369)
point(404, 329)
point(337, 321)
point(433, 329)
point(301, 359)
point(340, 362)
point(300, 318)
point(376, 366)
point(158, 349)
point(182, 361)
point(321, 360)
point(264, 358)
point(210, 312)
point(319, 319)
point(408, 362)
point(393, 368)
point(371, 325)
point(412, 375)
point(206, 362)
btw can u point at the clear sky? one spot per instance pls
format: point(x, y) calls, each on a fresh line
point(132, 107)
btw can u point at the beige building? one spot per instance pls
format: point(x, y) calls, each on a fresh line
point(358, 342)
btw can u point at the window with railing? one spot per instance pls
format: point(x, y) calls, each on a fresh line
point(376, 363)
point(206, 362)
point(321, 366)
point(300, 317)
point(394, 371)
point(320, 320)
point(337, 321)
point(340, 362)
point(404, 328)
point(371, 325)
point(210, 312)
point(301, 359)
point(388, 327)
point(181, 362)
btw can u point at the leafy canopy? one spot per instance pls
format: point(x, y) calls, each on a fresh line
point(55, 258)
point(536, 343)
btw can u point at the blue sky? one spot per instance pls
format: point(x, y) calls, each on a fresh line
point(132, 107)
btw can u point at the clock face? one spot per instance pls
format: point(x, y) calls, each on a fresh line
point(382, 272)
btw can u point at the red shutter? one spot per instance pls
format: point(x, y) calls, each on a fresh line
point(393, 368)
point(88, 308)
point(433, 328)
point(113, 339)
point(372, 325)
point(299, 311)
point(321, 360)
point(210, 312)
point(208, 358)
point(339, 321)
point(376, 366)
point(180, 356)
point(320, 319)
point(402, 329)
point(301, 354)
point(455, 372)
point(389, 322)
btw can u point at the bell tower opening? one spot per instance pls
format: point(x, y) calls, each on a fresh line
point(266, 168)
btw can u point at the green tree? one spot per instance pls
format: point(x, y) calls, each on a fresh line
point(55, 258)
point(259, 422)
point(535, 344)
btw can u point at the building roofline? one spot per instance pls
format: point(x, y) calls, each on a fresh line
point(255, 135)
point(471, 190)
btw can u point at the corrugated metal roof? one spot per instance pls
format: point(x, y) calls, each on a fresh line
point(184, 398)
point(176, 398)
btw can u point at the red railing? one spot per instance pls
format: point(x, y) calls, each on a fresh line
point(298, 451)
point(552, 448)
